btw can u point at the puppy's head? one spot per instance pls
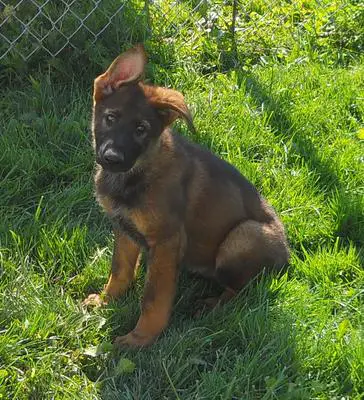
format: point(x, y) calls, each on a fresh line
point(129, 116)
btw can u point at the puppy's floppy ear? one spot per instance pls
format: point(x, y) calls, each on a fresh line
point(128, 67)
point(170, 105)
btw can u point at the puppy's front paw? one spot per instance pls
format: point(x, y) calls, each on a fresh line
point(95, 300)
point(132, 339)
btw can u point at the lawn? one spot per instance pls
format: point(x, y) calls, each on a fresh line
point(294, 127)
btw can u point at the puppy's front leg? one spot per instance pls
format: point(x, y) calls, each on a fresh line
point(159, 291)
point(123, 267)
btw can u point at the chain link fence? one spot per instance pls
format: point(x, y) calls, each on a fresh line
point(51, 26)
point(29, 26)
point(253, 28)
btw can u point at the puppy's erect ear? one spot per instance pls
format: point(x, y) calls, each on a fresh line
point(128, 67)
point(170, 105)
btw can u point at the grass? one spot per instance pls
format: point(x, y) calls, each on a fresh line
point(293, 129)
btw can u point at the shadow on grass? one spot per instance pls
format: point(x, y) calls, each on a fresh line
point(246, 349)
point(247, 345)
point(350, 214)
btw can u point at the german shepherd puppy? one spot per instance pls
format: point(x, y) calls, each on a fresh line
point(171, 198)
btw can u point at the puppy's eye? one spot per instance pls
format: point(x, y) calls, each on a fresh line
point(140, 130)
point(110, 119)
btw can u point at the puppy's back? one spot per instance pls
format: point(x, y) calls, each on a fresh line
point(214, 180)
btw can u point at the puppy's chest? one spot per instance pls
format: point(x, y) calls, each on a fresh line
point(132, 191)
point(123, 191)
point(122, 198)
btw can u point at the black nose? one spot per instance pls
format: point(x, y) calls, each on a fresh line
point(112, 156)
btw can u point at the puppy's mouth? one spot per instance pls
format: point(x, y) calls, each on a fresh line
point(115, 167)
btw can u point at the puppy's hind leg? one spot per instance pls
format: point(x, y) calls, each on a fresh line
point(245, 251)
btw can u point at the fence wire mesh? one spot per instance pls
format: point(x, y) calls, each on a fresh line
point(257, 28)
point(28, 26)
